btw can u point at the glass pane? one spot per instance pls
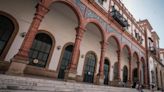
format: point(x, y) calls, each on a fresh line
point(2, 45)
point(47, 48)
point(40, 55)
point(45, 57)
point(38, 45)
point(34, 55)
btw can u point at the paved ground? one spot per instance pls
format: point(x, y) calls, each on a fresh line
point(113, 89)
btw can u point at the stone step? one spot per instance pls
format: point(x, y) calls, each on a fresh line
point(27, 84)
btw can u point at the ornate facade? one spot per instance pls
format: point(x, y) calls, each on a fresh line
point(93, 41)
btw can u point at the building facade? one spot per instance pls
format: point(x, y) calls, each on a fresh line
point(93, 41)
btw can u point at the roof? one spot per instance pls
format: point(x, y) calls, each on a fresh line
point(147, 22)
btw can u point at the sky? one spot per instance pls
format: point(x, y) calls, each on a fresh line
point(153, 10)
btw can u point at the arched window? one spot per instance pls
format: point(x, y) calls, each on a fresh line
point(125, 74)
point(7, 29)
point(115, 71)
point(90, 62)
point(106, 71)
point(40, 50)
point(66, 58)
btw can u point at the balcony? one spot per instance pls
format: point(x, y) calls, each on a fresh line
point(119, 18)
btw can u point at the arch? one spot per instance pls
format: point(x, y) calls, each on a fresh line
point(95, 22)
point(40, 55)
point(89, 68)
point(73, 7)
point(116, 39)
point(125, 74)
point(11, 37)
point(143, 60)
point(126, 46)
point(106, 71)
point(61, 71)
point(135, 53)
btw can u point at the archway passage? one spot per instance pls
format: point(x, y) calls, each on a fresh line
point(40, 50)
point(114, 54)
point(6, 30)
point(125, 74)
point(89, 68)
point(65, 61)
point(106, 71)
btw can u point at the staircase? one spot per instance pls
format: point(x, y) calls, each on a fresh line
point(28, 84)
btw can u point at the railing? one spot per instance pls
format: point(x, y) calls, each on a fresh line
point(119, 18)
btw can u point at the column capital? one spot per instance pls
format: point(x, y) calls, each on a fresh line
point(81, 28)
point(80, 32)
point(41, 10)
point(104, 45)
point(118, 51)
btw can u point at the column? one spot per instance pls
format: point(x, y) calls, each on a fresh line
point(20, 60)
point(72, 69)
point(102, 57)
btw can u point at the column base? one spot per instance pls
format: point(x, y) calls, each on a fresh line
point(70, 75)
point(99, 80)
point(146, 86)
point(79, 78)
point(17, 67)
point(116, 83)
point(129, 84)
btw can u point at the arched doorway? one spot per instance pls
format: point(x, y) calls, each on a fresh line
point(40, 50)
point(135, 67)
point(8, 30)
point(142, 72)
point(157, 81)
point(135, 75)
point(89, 69)
point(125, 74)
point(161, 79)
point(126, 63)
point(106, 71)
point(65, 61)
point(115, 71)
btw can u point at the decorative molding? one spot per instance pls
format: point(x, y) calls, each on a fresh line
point(90, 14)
point(81, 6)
